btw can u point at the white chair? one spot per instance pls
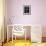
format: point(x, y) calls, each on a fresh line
point(17, 31)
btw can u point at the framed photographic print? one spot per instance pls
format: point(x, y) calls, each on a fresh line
point(27, 10)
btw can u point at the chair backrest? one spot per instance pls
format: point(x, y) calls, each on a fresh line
point(18, 30)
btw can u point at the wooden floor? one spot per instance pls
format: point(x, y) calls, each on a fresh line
point(23, 43)
point(43, 39)
point(18, 43)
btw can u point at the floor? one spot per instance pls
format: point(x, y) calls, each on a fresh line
point(23, 43)
point(18, 43)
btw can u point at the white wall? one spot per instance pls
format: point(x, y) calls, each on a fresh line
point(38, 12)
point(1, 20)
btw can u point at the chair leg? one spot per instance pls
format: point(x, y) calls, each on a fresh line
point(25, 36)
point(12, 37)
point(15, 38)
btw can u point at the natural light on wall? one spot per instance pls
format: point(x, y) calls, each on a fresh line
point(1, 16)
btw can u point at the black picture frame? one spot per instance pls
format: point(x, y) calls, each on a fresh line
point(27, 9)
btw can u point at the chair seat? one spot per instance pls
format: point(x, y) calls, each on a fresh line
point(18, 33)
